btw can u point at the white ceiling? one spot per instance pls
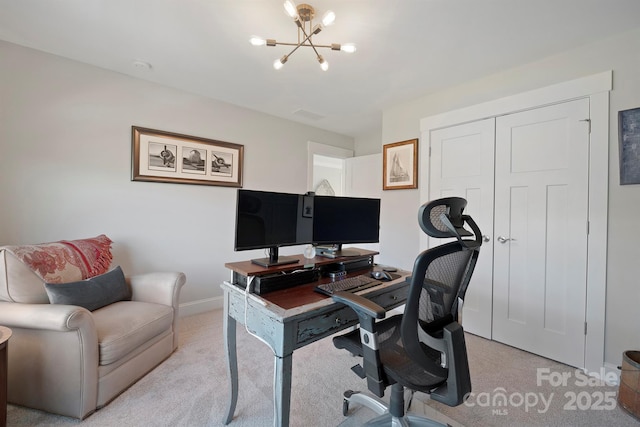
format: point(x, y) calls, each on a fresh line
point(405, 48)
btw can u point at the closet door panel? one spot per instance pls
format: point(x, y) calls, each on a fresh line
point(462, 164)
point(540, 249)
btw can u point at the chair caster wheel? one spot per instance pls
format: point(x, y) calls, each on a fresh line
point(345, 402)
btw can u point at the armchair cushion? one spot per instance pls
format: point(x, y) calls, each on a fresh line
point(126, 325)
point(93, 293)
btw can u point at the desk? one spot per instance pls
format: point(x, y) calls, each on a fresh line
point(290, 319)
point(5, 334)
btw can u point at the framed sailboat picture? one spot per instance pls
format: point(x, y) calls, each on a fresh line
point(400, 165)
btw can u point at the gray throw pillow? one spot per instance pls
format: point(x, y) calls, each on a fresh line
point(92, 293)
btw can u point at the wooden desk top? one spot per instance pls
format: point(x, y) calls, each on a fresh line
point(298, 299)
point(305, 294)
point(247, 268)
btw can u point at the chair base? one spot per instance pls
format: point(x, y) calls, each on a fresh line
point(384, 418)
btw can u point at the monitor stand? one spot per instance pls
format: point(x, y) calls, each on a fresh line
point(273, 259)
point(335, 251)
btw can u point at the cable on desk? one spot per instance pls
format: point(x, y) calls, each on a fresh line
point(247, 291)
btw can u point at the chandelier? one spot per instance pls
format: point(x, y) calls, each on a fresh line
point(303, 15)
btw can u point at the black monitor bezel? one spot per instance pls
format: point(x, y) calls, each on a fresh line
point(321, 240)
point(272, 245)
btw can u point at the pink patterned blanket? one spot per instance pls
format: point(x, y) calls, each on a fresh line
point(66, 260)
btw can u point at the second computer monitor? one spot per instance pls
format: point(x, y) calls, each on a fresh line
point(340, 220)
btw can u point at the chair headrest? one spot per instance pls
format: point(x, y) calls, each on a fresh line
point(443, 218)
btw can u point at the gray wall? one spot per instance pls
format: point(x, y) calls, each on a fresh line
point(399, 242)
point(65, 145)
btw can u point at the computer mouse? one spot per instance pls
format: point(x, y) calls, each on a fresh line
point(381, 275)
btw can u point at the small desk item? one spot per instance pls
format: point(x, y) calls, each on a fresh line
point(5, 334)
point(289, 319)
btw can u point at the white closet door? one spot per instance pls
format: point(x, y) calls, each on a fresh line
point(462, 164)
point(540, 246)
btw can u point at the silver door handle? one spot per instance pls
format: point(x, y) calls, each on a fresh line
point(504, 240)
point(485, 238)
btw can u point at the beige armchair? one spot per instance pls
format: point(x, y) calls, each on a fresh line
point(67, 360)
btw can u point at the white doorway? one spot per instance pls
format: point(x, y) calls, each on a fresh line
point(326, 171)
point(328, 175)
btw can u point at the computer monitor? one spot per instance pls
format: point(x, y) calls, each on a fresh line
point(269, 220)
point(340, 220)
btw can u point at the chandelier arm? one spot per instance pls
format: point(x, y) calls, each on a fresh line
point(303, 44)
point(314, 49)
point(308, 38)
point(293, 50)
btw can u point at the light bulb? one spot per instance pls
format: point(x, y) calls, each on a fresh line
point(328, 18)
point(323, 64)
point(349, 48)
point(257, 41)
point(290, 8)
point(279, 63)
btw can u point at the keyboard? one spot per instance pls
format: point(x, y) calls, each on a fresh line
point(348, 284)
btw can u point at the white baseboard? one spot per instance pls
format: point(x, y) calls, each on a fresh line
point(609, 374)
point(200, 306)
point(611, 370)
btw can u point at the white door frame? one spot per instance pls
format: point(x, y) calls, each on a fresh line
point(324, 150)
point(596, 87)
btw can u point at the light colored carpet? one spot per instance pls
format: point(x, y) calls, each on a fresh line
point(191, 388)
point(535, 393)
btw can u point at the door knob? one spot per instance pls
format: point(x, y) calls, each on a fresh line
point(485, 238)
point(504, 239)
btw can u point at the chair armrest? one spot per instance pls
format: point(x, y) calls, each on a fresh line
point(159, 288)
point(360, 304)
point(367, 312)
point(52, 317)
point(458, 385)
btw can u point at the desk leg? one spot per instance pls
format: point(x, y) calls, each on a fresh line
point(283, 390)
point(232, 363)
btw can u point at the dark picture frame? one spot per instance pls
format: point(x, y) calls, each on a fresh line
point(159, 156)
point(629, 145)
point(400, 165)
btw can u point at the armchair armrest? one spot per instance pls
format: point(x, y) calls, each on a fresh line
point(51, 317)
point(53, 347)
point(159, 288)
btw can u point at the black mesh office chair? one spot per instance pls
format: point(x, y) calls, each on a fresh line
point(422, 349)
